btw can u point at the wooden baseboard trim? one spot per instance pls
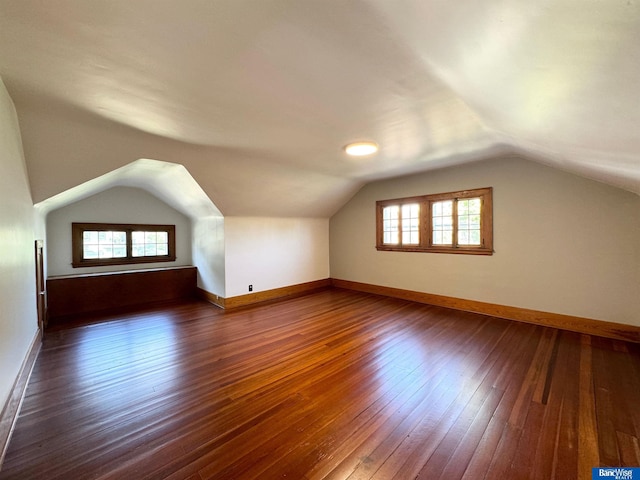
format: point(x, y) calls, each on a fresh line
point(276, 293)
point(217, 300)
point(618, 331)
point(11, 409)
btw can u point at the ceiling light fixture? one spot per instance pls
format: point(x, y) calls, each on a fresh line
point(360, 149)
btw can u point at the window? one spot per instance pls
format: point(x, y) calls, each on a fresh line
point(455, 222)
point(95, 244)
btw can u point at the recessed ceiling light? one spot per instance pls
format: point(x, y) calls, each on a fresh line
point(360, 149)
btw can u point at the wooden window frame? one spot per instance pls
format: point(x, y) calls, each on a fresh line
point(78, 229)
point(426, 202)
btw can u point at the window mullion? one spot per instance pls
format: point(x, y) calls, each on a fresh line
point(400, 233)
point(129, 244)
point(429, 224)
point(482, 221)
point(454, 240)
point(425, 224)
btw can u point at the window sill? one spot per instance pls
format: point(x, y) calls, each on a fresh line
point(121, 261)
point(458, 251)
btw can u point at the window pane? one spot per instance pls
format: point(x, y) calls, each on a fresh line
point(90, 237)
point(137, 250)
point(119, 238)
point(391, 211)
point(90, 245)
point(468, 237)
point(469, 221)
point(407, 210)
point(463, 207)
point(390, 225)
point(410, 224)
point(442, 222)
point(391, 238)
point(149, 244)
point(105, 238)
point(100, 244)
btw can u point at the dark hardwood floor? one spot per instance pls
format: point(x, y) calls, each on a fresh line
point(332, 385)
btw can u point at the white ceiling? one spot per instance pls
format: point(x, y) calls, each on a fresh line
point(256, 98)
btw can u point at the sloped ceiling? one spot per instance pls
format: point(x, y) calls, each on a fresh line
point(171, 183)
point(256, 98)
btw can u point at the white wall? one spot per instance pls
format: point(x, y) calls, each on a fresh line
point(563, 244)
point(18, 318)
point(208, 253)
point(271, 253)
point(116, 205)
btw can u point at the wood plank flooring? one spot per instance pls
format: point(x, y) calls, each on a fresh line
point(333, 385)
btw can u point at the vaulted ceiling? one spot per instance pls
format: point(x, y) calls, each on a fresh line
point(256, 98)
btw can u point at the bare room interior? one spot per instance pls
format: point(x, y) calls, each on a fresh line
point(344, 239)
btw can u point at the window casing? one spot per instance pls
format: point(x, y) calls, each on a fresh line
point(99, 244)
point(454, 222)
